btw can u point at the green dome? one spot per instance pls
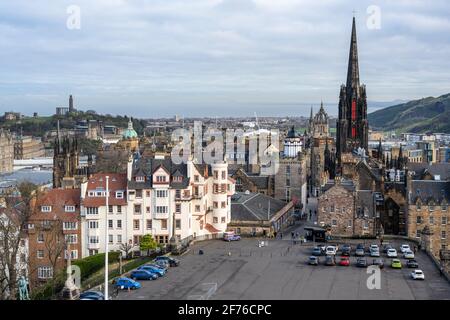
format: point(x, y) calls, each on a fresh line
point(129, 133)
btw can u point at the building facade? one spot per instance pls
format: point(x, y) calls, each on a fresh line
point(6, 151)
point(28, 147)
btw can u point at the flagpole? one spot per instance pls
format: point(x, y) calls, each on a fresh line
point(106, 238)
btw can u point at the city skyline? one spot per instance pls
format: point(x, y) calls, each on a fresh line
point(218, 58)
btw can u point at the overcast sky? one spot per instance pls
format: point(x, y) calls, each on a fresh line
point(216, 57)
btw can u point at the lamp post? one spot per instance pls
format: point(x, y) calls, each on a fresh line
point(106, 238)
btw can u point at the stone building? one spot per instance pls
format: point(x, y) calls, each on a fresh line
point(6, 151)
point(258, 214)
point(28, 147)
point(130, 140)
point(253, 182)
point(54, 233)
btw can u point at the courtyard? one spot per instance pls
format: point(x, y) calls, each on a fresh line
point(242, 270)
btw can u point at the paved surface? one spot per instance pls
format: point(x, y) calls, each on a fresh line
point(279, 271)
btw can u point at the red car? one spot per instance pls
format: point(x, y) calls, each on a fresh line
point(345, 261)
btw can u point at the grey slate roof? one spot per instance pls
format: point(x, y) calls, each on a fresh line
point(440, 169)
point(254, 206)
point(427, 190)
point(261, 182)
point(347, 184)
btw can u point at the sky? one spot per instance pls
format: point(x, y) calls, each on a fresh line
point(158, 58)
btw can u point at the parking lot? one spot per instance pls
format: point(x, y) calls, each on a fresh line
point(280, 271)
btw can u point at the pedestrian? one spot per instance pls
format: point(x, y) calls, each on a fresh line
point(292, 234)
point(415, 249)
point(275, 234)
point(281, 235)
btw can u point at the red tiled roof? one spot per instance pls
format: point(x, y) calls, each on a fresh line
point(58, 199)
point(117, 182)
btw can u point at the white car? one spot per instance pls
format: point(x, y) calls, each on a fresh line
point(374, 247)
point(374, 252)
point(392, 253)
point(408, 255)
point(330, 250)
point(404, 248)
point(417, 275)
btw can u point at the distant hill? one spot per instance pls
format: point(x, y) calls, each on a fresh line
point(418, 116)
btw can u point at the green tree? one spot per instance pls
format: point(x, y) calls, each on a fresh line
point(148, 243)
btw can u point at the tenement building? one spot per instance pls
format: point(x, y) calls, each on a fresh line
point(28, 147)
point(6, 151)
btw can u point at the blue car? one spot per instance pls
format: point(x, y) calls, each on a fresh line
point(163, 268)
point(92, 295)
point(143, 275)
point(156, 270)
point(127, 283)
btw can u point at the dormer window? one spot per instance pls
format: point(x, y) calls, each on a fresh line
point(160, 178)
point(140, 179)
point(178, 179)
point(46, 209)
point(69, 208)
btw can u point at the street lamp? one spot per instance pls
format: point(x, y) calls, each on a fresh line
point(106, 238)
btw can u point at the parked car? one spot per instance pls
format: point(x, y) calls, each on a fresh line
point(143, 275)
point(392, 253)
point(232, 237)
point(92, 295)
point(378, 262)
point(361, 262)
point(127, 283)
point(345, 261)
point(316, 251)
point(330, 261)
point(396, 264)
point(417, 275)
point(359, 252)
point(412, 263)
point(172, 261)
point(163, 265)
point(153, 269)
point(374, 247)
point(408, 255)
point(346, 250)
point(374, 252)
point(386, 247)
point(313, 260)
point(404, 248)
point(330, 251)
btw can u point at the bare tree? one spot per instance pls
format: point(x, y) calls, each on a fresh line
point(15, 211)
point(127, 248)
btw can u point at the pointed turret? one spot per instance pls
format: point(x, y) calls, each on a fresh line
point(353, 67)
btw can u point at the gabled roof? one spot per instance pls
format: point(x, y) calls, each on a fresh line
point(254, 207)
point(430, 190)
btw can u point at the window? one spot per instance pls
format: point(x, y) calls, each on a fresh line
point(160, 178)
point(443, 235)
point(215, 220)
point(110, 224)
point(224, 175)
point(332, 208)
point(92, 210)
point(418, 219)
point(444, 220)
point(30, 226)
point(223, 220)
point(119, 194)
point(161, 209)
point(164, 224)
point(140, 179)
point(136, 224)
point(110, 238)
point(46, 209)
point(40, 238)
point(139, 193)
point(178, 224)
point(223, 204)
point(137, 209)
point(69, 208)
point(350, 223)
point(216, 174)
point(110, 209)
point(119, 224)
point(288, 170)
point(71, 238)
point(366, 224)
point(119, 209)
point(147, 193)
point(418, 234)
point(431, 207)
point(178, 208)
point(161, 193)
point(215, 205)
point(40, 254)
point(67, 225)
point(149, 224)
point(73, 254)
point(119, 238)
point(147, 209)
point(197, 208)
point(431, 220)
point(93, 224)
point(93, 239)
point(334, 222)
point(45, 272)
point(288, 182)
point(418, 206)
point(196, 178)
point(178, 194)
point(444, 207)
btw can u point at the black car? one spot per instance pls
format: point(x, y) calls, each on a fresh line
point(412, 263)
point(386, 247)
point(361, 262)
point(346, 250)
point(378, 262)
point(92, 295)
point(172, 262)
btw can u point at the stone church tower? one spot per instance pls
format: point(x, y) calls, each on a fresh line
point(352, 126)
